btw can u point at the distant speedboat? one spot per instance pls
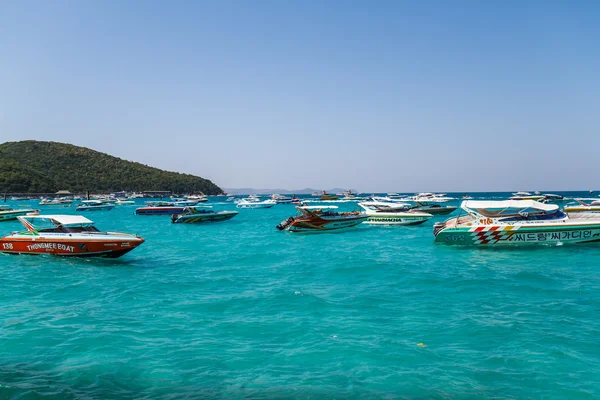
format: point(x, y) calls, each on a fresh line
point(526, 196)
point(435, 209)
point(279, 199)
point(583, 210)
point(193, 215)
point(56, 202)
point(67, 235)
point(8, 213)
point(381, 213)
point(514, 222)
point(124, 202)
point(95, 205)
point(388, 199)
point(432, 198)
point(255, 202)
point(314, 219)
point(183, 202)
point(198, 198)
point(160, 208)
point(328, 196)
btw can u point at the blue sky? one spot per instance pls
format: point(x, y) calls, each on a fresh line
point(376, 96)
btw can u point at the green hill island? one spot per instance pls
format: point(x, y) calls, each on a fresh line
point(45, 167)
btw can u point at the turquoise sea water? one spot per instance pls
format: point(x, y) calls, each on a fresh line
point(240, 310)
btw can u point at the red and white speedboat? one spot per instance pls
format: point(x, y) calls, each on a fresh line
point(322, 219)
point(67, 235)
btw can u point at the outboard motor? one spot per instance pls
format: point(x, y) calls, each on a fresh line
point(285, 223)
point(437, 227)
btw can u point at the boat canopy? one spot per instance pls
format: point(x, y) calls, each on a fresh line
point(317, 207)
point(65, 220)
point(508, 207)
point(478, 204)
point(379, 203)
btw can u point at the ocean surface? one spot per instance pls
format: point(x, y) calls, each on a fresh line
point(237, 309)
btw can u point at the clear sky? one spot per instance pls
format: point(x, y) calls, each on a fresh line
point(371, 95)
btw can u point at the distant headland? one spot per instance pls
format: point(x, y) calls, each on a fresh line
point(45, 167)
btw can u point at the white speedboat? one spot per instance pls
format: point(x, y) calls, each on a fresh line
point(95, 205)
point(583, 210)
point(432, 198)
point(390, 199)
point(526, 196)
point(198, 198)
point(514, 222)
point(279, 199)
point(254, 202)
point(8, 213)
point(183, 202)
point(382, 213)
point(124, 202)
point(56, 202)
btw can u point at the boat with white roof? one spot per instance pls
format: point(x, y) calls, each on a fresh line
point(583, 210)
point(515, 222)
point(95, 205)
point(61, 202)
point(432, 198)
point(279, 199)
point(255, 202)
point(67, 235)
point(526, 196)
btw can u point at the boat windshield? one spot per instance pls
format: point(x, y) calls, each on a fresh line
point(69, 229)
point(534, 217)
point(68, 224)
point(510, 212)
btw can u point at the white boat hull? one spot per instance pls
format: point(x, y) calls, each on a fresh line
point(257, 205)
point(397, 219)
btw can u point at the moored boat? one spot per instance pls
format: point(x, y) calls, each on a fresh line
point(514, 222)
point(56, 202)
point(67, 235)
point(254, 202)
point(583, 210)
point(184, 202)
point(95, 205)
point(279, 199)
point(381, 213)
point(328, 196)
point(431, 198)
point(194, 215)
point(313, 219)
point(9, 214)
point(198, 198)
point(434, 209)
point(526, 196)
point(124, 202)
point(160, 208)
